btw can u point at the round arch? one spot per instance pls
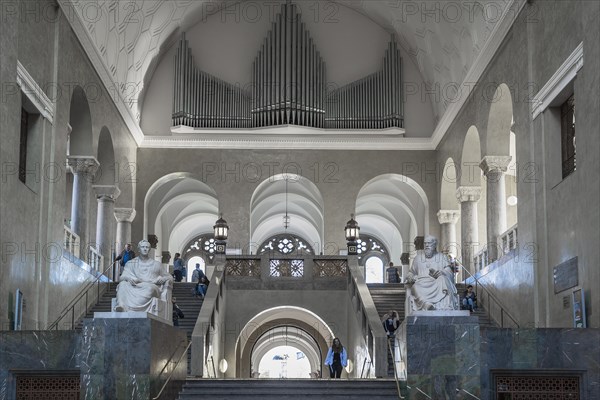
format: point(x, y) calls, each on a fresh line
point(178, 207)
point(448, 199)
point(80, 120)
point(107, 174)
point(299, 318)
point(500, 121)
point(470, 173)
point(287, 335)
point(292, 193)
point(393, 207)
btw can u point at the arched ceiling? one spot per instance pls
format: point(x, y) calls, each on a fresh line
point(444, 39)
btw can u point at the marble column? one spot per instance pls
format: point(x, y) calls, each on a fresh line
point(494, 168)
point(105, 231)
point(468, 196)
point(124, 217)
point(84, 169)
point(448, 220)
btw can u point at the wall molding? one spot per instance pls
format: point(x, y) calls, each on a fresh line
point(555, 85)
point(34, 93)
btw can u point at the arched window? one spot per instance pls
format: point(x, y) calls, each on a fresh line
point(373, 256)
point(285, 244)
point(200, 250)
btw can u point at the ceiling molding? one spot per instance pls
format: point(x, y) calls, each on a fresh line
point(101, 69)
point(287, 138)
point(501, 29)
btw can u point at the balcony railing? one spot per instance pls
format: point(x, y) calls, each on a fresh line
point(95, 259)
point(508, 240)
point(71, 242)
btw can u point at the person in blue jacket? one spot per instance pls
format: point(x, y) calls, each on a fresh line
point(336, 359)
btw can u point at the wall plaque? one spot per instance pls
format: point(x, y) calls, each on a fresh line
point(566, 275)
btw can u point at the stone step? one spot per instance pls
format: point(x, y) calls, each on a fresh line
point(289, 388)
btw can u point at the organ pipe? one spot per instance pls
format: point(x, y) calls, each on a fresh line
point(289, 87)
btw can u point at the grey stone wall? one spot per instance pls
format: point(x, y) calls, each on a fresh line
point(556, 222)
point(39, 36)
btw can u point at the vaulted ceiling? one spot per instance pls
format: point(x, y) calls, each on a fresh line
point(447, 40)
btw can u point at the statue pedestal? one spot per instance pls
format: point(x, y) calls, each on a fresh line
point(123, 356)
point(441, 354)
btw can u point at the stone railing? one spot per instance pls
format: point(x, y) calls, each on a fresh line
point(302, 267)
point(71, 242)
point(508, 243)
point(480, 261)
point(508, 240)
point(95, 259)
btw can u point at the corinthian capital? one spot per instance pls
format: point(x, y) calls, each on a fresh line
point(83, 164)
point(106, 192)
point(448, 216)
point(468, 193)
point(494, 164)
point(124, 214)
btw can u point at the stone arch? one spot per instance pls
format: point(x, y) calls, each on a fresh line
point(448, 187)
point(305, 206)
point(500, 121)
point(393, 207)
point(470, 173)
point(80, 120)
point(107, 173)
point(178, 207)
point(268, 319)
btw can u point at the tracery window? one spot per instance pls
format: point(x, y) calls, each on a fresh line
point(373, 257)
point(285, 244)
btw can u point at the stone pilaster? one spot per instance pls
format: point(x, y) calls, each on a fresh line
point(84, 169)
point(494, 169)
point(468, 196)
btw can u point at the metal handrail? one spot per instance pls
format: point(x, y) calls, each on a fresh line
point(84, 292)
point(363, 368)
point(172, 372)
point(395, 370)
point(490, 294)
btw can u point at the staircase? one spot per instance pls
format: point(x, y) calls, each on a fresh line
point(187, 302)
point(389, 296)
point(484, 319)
point(258, 389)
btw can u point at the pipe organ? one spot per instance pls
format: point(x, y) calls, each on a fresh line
point(289, 87)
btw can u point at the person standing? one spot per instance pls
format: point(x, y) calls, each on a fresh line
point(391, 322)
point(178, 267)
point(126, 255)
point(177, 313)
point(337, 358)
point(392, 274)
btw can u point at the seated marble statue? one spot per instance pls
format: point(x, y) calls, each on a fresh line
point(431, 280)
point(142, 280)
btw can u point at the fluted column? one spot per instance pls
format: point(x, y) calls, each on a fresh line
point(105, 231)
point(448, 220)
point(494, 168)
point(84, 169)
point(124, 217)
point(468, 196)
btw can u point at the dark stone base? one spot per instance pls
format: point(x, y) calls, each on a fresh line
point(441, 356)
point(126, 358)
